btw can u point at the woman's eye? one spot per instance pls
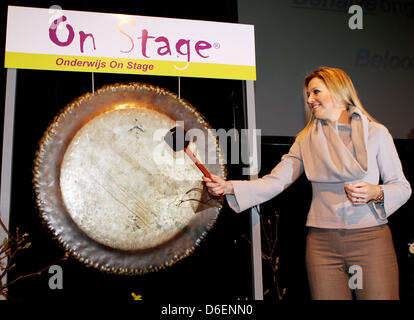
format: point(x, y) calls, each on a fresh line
point(316, 91)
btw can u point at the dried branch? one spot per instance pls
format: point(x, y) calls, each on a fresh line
point(9, 247)
point(269, 254)
point(210, 198)
point(38, 272)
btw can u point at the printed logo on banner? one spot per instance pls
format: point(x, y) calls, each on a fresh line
point(86, 41)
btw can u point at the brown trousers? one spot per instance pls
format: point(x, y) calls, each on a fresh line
point(338, 261)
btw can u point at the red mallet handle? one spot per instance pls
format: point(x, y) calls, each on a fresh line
point(197, 163)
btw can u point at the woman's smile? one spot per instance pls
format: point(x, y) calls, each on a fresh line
point(322, 102)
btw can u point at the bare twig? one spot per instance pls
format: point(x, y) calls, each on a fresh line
point(37, 272)
point(270, 234)
point(9, 247)
point(196, 200)
point(270, 258)
point(4, 227)
point(268, 253)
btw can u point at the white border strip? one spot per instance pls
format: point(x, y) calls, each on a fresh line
point(254, 213)
point(6, 164)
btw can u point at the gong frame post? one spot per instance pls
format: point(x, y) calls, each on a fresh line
point(256, 249)
point(7, 155)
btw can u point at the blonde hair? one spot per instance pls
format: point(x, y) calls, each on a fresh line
point(339, 85)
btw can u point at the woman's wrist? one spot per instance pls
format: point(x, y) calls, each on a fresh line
point(229, 188)
point(380, 195)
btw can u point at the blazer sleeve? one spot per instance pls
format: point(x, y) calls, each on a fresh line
point(248, 193)
point(397, 189)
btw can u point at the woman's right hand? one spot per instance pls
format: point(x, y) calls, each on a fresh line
point(217, 186)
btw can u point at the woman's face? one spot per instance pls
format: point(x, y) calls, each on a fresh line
point(322, 103)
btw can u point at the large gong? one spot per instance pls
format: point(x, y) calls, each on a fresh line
point(113, 192)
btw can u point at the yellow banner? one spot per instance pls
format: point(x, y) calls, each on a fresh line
point(130, 66)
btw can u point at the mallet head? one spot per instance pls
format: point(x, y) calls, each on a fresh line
point(175, 138)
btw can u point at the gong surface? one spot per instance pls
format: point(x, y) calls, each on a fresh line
point(113, 192)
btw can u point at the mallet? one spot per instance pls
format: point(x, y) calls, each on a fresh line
point(171, 139)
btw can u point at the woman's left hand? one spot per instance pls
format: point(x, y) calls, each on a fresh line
point(362, 192)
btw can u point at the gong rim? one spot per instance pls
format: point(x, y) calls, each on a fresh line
point(51, 207)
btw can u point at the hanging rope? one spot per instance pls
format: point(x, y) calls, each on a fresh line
point(179, 87)
point(93, 83)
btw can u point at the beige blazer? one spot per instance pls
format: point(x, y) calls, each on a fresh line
point(329, 165)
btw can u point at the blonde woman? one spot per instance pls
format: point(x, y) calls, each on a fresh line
point(344, 153)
